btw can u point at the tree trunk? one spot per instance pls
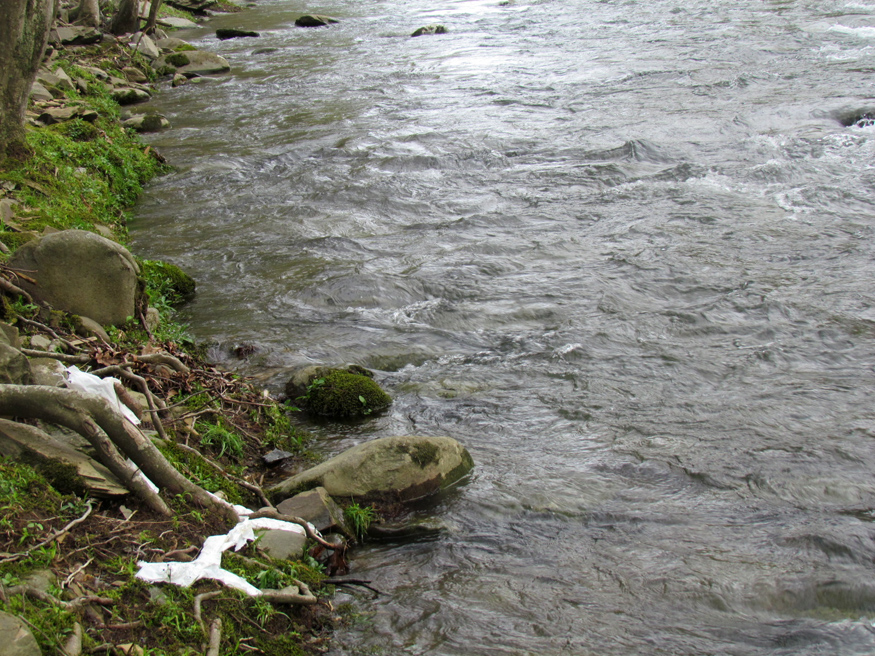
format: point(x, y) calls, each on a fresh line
point(153, 16)
point(24, 30)
point(88, 13)
point(127, 18)
point(94, 418)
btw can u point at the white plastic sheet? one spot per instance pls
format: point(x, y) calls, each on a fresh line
point(87, 383)
point(208, 564)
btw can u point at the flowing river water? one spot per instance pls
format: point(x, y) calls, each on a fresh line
point(621, 249)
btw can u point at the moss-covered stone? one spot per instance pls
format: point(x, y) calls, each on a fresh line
point(342, 394)
point(167, 280)
point(177, 59)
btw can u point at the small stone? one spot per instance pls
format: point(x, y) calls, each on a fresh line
point(87, 327)
point(275, 456)
point(204, 63)
point(65, 82)
point(282, 545)
point(153, 318)
point(179, 80)
point(40, 343)
point(39, 93)
point(47, 371)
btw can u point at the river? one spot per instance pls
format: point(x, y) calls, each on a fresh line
point(622, 250)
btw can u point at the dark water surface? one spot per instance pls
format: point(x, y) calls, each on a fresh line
point(621, 250)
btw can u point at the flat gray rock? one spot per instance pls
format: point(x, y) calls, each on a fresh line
point(201, 62)
point(15, 638)
point(177, 22)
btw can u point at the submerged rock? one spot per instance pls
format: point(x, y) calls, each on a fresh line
point(224, 34)
point(388, 469)
point(313, 20)
point(430, 29)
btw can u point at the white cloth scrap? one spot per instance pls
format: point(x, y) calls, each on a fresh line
point(87, 383)
point(208, 565)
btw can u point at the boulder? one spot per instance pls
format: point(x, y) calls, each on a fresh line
point(16, 638)
point(54, 115)
point(39, 93)
point(75, 36)
point(130, 95)
point(430, 29)
point(133, 74)
point(224, 34)
point(388, 469)
point(317, 507)
point(312, 20)
point(143, 44)
point(146, 122)
point(337, 392)
point(203, 63)
point(81, 273)
point(68, 470)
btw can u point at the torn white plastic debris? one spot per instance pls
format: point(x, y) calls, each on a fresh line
point(82, 381)
point(208, 564)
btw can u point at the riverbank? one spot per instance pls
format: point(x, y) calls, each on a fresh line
point(70, 557)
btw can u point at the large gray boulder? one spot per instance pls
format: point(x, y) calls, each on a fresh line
point(81, 273)
point(387, 469)
point(15, 638)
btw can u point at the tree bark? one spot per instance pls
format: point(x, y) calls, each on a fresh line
point(127, 18)
point(24, 31)
point(153, 16)
point(88, 13)
point(94, 418)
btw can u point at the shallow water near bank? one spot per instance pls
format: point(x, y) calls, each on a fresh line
point(623, 251)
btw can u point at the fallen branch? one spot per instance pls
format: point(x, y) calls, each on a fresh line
point(352, 582)
point(95, 419)
point(165, 359)
point(63, 357)
point(292, 595)
point(198, 600)
point(273, 513)
point(45, 597)
point(9, 288)
point(239, 481)
point(215, 637)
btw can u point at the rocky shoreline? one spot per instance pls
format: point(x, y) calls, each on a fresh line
point(80, 312)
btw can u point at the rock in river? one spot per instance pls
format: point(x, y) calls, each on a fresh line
point(386, 469)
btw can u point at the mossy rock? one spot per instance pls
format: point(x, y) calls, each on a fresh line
point(15, 239)
point(175, 283)
point(178, 59)
point(344, 394)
